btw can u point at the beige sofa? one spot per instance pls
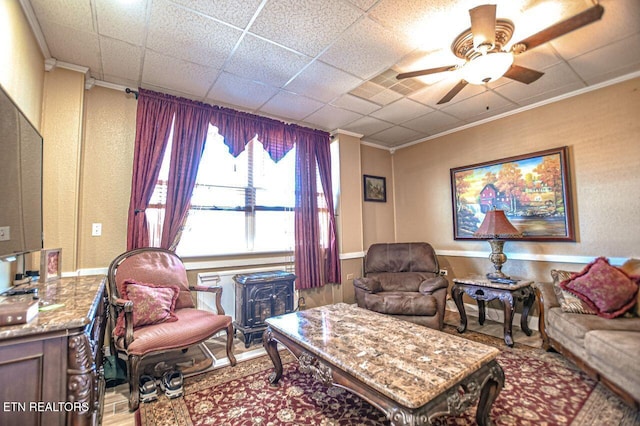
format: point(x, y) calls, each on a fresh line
point(606, 349)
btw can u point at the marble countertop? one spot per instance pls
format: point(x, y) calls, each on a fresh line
point(485, 282)
point(65, 304)
point(407, 362)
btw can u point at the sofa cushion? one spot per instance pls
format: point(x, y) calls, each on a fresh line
point(615, 355)
point(605, 288)
point(576, 326)
point(568, 301)
point(401, 303)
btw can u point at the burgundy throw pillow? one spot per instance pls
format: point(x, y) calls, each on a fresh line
point(152, 304)
point(604, 288)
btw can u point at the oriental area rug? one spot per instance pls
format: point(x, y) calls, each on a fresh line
point(541, 388)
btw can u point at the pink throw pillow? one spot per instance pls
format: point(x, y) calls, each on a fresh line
point(604, 288)
point(152, 304)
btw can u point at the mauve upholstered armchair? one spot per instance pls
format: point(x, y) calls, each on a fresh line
point(402, 280)
point(154, 281)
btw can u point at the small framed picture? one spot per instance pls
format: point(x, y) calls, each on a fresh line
point(375, 188)
point(50, 264)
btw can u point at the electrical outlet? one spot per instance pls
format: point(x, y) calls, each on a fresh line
point(349, 277)
point(96, 229)
point(443, 272)
point(5, 233)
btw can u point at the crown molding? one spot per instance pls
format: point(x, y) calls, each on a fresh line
point(35, 27)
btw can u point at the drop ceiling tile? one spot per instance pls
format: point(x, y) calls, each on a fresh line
point(258, 60)
point(356, 104)
point(287, 104)
point(68, 13)
point(183, 34)
point(478, 107)
point(363, 4)
point(322, 82)
point(554, 78)
point(73, 46)
point(367, 126)
point(122, 20)
point(429, 25)
point(401, 111)
point(241, 92)
point(331, 118)
point(396, 135)
point(234, 12)
point(185, 77)
point(120, 58)
point(307, 27)
point(433, 123)
point(431, 95)
point(621, 19)
point(366, 49)
point(614, 59)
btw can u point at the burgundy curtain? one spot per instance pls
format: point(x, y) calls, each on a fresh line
point(315, 265)
point(189, 136)
point(316, 262)
point(153, 124)
point(238, 128)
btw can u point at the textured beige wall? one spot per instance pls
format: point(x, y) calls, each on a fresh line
point(378, 218)
point(107, 156)
point(601, 129)
point(21, 63)
point(62, 133)
point(349, 201)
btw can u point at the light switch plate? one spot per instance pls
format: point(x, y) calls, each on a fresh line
point(5, 233)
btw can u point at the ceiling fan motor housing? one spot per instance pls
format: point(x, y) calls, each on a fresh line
point(463, 46)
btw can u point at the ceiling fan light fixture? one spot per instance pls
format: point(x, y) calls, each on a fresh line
point(487, 68)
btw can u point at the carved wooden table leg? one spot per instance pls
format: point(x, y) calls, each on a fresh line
point(488, 395)
point(271, 346)
point(456, 294)
point(507, 301)
point(481, 312)
point(527, 303)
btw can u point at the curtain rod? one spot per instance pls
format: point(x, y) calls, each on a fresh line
point(135, 92)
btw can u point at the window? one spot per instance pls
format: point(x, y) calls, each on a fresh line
point(239, 205)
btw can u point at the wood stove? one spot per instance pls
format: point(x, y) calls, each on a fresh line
point(259, 296)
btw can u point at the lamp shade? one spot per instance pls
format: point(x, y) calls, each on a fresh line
point(496, 225)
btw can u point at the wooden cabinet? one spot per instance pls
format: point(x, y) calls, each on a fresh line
point(51, 368)
point(260, 296)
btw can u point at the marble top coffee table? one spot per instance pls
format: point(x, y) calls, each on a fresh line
point(410, 372)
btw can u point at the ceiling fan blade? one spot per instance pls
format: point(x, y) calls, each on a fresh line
point(522, 74)
point(426, 72)
point(561, 28)
point(483, 25)
point(456, 89)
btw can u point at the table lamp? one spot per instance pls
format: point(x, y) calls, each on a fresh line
point(495, 227)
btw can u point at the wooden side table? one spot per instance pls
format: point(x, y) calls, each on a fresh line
point(483, 290)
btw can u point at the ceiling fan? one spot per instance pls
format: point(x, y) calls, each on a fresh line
point(482, 46)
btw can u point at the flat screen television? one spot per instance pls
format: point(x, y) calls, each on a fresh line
point(20, 181)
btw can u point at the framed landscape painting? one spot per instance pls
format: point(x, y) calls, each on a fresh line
point(533, 190)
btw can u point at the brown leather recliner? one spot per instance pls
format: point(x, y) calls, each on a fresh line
point(402, 280)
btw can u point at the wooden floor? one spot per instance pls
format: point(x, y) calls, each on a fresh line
point(116, 409)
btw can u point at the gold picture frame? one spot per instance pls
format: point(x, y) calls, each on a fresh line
point(50, 264)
